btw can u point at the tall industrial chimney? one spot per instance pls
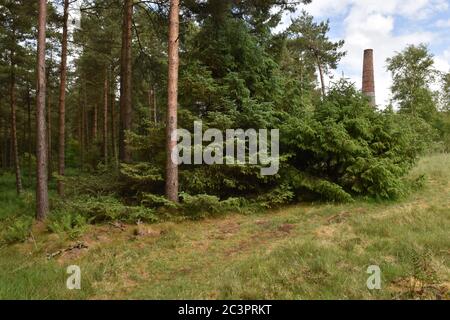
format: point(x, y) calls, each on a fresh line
point(368, 83)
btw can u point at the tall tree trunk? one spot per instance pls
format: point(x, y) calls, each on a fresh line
point(49, 134)
point(125, 83)
point(22, 146)
point(84, 125)
point(4, 146)
point(171, 124)
point(62, 102)
point(112, 100)
point(42, 205)
point(152, 104)
point(94, 124)
point(322, 79)
point(82, 143)
point(15, 150)
point(30, 142)
point(11, 148)
point(80, 129)
point(105, 119)
point(155, 106)
point(49, 119)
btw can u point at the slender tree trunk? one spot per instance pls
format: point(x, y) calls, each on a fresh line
point(113, 118)
point(155, 106)
point(113, 132)
point(42, 205)
point(81, 108)
point(30, 142)
point(49, 119)
point(49, 133)
point(10, 148)
point(4, 146)
point(322, 79)
point(87, 124)
point(23, 145)
point(7, 163)
point(62, 102)
point(105, 119)
point(15, 151)
point(94, 124)
point(152, 104)
point(171, 124)
point(84, 126)
point(125, 83)
point(79, 127)
point(7, 140)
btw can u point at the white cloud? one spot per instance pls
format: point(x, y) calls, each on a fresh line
point(443, 23)
point(328, 7)
point(442, 61)
point(407, 8)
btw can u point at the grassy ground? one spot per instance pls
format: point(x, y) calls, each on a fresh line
point(301, 252)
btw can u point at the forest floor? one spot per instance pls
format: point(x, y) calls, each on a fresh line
point(311, 251)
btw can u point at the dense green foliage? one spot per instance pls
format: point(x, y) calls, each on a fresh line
point(413, 73)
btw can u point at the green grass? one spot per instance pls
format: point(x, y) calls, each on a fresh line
point(300, 252)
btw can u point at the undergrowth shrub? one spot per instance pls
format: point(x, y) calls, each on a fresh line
point(203, 205)
point(106, 183)
point(150, 200)
point(280, 195)
point(108, 208)
point(308, 188)
point(18, 229)
point(72, 224)
point(140, 177)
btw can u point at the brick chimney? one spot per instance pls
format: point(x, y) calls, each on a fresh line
point(368, 83)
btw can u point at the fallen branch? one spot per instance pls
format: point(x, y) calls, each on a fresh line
point(78, 246)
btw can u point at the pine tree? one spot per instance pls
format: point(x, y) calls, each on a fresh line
point(62, 100)
point(311, 38)
point(42, 204)
point(171, 167)
point(126, 82)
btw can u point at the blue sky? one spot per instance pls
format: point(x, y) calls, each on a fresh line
point(387, 27)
